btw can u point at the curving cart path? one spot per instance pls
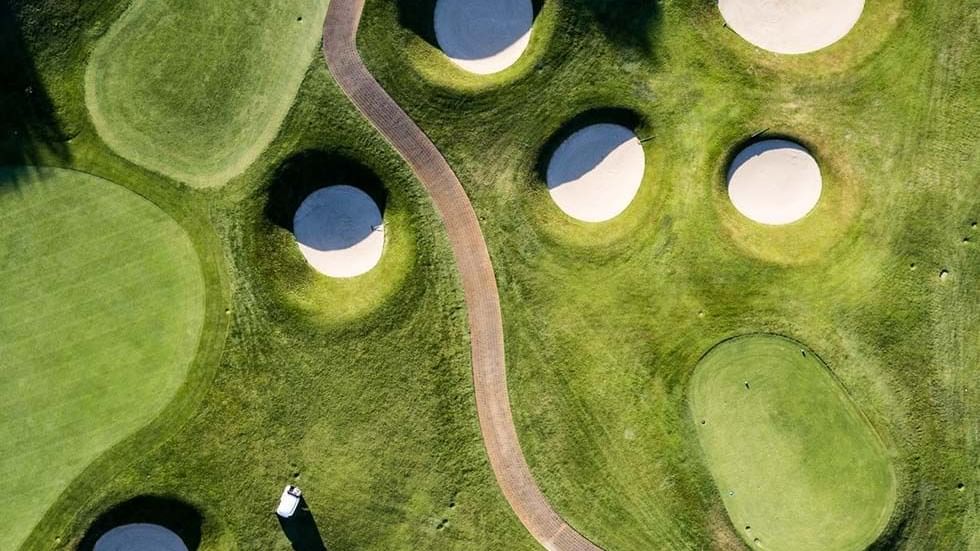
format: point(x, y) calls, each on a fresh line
point(475, 269)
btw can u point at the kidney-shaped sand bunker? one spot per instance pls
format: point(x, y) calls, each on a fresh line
point(595, 173)
point(340, 231)
point(483, 36)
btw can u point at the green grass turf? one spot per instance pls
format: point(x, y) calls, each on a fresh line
point(362, 387)
point(795, 462)
point(605, 324)
point(370, 399)
point(102, 312)
point(196, 90)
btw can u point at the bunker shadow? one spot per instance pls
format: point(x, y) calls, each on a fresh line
point(418, 16)
point(30, 133)
point(306, 172)
point(610, 115)
point(731, 161)
point(172, 514)
point(301, 529)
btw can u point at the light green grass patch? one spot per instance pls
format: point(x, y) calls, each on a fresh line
point(103, 305)
point(796, 463)
point(197, 90)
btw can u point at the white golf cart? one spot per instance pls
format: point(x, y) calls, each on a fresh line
point(289, 501)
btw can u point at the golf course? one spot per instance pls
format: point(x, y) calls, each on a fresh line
point(472, 274)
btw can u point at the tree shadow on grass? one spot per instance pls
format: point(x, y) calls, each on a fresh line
point(30, 133)
point(174, 515)
point(627, 23)
point(302, 174)
point(301, 529)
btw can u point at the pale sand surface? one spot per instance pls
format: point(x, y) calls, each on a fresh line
point(140, 537)
point(774, 182)
point(595, 173)
point(483, 36)
point(791, 26)
point(339, 231)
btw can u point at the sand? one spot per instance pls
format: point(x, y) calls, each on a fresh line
point(791, 26)
point(339, 231)
point(595, 173)
point(483, 36)
point(774, 182)
point(140, 537)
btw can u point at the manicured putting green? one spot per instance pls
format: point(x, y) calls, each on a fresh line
point(103, 305)
point(797, 465)
point(197, 90)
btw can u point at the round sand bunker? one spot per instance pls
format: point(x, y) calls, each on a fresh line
point(791, 26)
point(774, 182)
point(483, 36)
point(339, 231)
point(595, 173)
point(140, 537)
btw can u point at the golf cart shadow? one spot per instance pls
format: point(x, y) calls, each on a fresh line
point(301, 529)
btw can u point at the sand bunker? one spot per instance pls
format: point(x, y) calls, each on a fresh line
point(339, 231)
point(483, 36)
point(791, 26)
point(774, 182)
point(140, 537)
point(595, 173)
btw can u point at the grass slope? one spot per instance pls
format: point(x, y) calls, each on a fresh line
point(795, 462)
point(102, 312)
point(196, 90)
point(605, 324)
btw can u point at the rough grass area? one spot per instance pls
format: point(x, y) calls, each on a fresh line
point(102, 312)
point(196, 90)
point(605, 324)
point(794, 460)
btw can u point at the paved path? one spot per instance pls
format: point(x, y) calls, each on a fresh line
point(476, 272)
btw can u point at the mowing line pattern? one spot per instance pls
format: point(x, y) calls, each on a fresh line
point(475, 269)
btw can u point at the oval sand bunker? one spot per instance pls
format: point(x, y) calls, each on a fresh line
point(339, 231)
point(774, 182)
point(595, 173)
point(791, 26)
point(140, 537)
point(483, 36)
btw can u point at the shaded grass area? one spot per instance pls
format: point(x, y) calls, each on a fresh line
point(197, 90)
point(792, 456)
point(358, 391)
point(103, 310)
point(604, 324)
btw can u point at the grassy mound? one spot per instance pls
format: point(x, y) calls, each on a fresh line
point(197, 90)
point(103, 306)
point(796, 463)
